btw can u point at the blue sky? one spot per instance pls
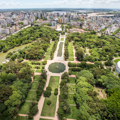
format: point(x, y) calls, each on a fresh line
point(59, 4)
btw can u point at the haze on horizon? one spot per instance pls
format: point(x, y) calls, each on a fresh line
point(6, 4)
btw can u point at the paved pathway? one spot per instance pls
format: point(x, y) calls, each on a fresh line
point(24, 115)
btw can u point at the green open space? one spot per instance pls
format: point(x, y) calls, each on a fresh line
point(37, 78)
point(70, 50)
point(72, 80)
point(49, 110)
point(74, 73)
point(24, 109)
point(54, 82)
point(71, 88)
point(116, 60)
point(70, 99)
point(73, 114)
point(60, 49)
point(32, 96)
point(34, 86)
point(62, 39)
point(47, 55)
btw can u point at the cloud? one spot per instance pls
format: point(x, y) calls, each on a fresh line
point(61, 3)
point(10, 4)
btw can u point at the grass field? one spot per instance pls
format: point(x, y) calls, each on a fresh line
point(49, 110)
point(24, 108)
point(74, 73)
point(116, 60)
point(32, 96)
point(70, 50)
point(74, 112)
point(34, 86)
point(54, 82)
point(36, 78)
point(72, 80)
point(47, 55)
point(70, 99)
point(62, 39)
point(71, 88)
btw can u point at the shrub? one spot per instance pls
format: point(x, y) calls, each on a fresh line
point(49, 88)
point(47, 93)
point(43, 67)
point(49, 102)
point(65, 75)
point(44, 62)
point(33, 110)
point(71, 64)
point(56, 91)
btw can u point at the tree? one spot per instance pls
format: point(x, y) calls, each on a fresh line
point(47, 93)
point(79, 54)
point(14, 99)
point(49, 102)
point(5, 93)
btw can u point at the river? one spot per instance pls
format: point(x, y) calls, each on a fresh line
point(3, 55)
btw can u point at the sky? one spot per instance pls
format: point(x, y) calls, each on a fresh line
point(59, 4)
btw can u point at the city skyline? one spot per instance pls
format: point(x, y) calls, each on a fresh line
point(110, 4)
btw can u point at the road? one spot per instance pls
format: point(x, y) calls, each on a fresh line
point(16, 32)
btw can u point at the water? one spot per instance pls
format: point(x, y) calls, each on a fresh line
point(56, 67)
point(3, 55)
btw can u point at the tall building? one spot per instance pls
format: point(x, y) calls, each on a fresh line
point(53, 23)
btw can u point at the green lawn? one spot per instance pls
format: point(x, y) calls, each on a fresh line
point(37, 78)
point(72, 80)
point(49, 110)
point(62, 39)
point(70, 99)
point(74, 73)
point(31, 95)
point(54, 82)
point(47, 55)
point(70, 59)
point(34, 86)
point(24, 108)
point(21, 118)
point(70, 50)
point(71, 88)
point(116, 60)
point(73, 114)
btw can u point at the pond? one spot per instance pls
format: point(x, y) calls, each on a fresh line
point(57, 67)
point(3, 55)
point(59, 54)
